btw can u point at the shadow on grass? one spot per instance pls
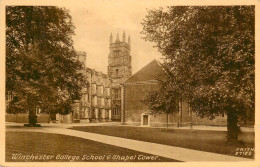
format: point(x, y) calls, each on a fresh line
point(203, 140)
point(25, 146)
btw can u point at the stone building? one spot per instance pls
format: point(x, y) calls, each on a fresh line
point(119, 69)
point(119, 95)
point(101, 100)
point(137, 113)
point(95, 102)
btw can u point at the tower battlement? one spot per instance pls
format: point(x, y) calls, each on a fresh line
point(120, 42)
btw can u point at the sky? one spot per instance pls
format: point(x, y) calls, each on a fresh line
point(95, 21)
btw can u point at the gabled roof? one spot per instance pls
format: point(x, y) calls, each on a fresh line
point(152, 71)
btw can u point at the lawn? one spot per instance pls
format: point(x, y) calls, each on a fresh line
point(42, 147)
point(210, 141)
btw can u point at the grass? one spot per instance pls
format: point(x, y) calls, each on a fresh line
point(40, 144)
point(210, 141)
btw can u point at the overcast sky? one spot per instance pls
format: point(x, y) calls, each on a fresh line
point(94, 22)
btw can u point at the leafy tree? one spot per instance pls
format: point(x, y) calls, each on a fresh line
point(41, 63)
point(162, 101)
point(210, 51)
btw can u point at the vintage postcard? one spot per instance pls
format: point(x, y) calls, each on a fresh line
point(115, 83)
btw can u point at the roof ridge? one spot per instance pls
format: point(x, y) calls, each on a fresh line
point(141, 69)
point(148, 72)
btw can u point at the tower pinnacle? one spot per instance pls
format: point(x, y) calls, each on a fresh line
point(111, 38)
point(129, 41)
point(124, 36)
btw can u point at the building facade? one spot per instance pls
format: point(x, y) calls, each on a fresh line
point(95, 102)
point(119, 70)
point(101, 100)
point(119, 95)
point(136, 112)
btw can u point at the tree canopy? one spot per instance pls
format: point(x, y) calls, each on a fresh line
point(162, 101)
point(210, 50)
point(41, 64)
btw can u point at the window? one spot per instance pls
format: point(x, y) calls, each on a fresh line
point(99, 79)
point(88, 94)
point(117, 93)
point(9, 96)
point(107, 91)
point(116, 110)
point(84, 90)
point(102, 90)
point(94, 88)
point(94, 102)
point(88, 88)
point(109, 102)
point(117, 72)
point(116, 53)
point(102, 101)
point(86, 97)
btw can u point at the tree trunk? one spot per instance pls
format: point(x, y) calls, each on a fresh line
point(232, 128)
point(32, 112)
point(32, 117)
point(167, 120)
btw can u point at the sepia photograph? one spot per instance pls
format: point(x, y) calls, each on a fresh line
point(121, 81)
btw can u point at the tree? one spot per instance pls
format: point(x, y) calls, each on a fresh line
point(210, 51)
point(41, 64)
point(163, 101)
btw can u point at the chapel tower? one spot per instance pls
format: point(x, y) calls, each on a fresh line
point(119, 70)
point(119, 59)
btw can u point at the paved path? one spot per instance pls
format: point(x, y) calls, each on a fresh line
point(177, 153)
point(195, 127)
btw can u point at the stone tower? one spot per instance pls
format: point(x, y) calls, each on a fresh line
point(119, 60)
point(119, 69)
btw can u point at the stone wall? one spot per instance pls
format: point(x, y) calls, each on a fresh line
point(217, 121)
point(134, 108)
point(23, 118)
